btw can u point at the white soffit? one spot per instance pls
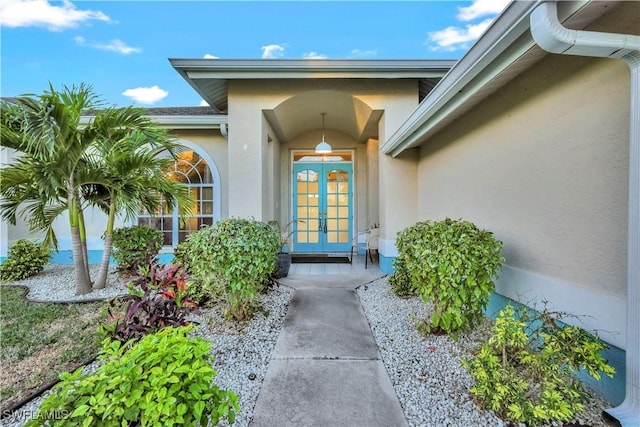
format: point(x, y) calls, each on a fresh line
point(504, 51)
point(209, 77)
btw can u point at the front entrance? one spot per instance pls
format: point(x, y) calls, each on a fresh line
point(323, 206)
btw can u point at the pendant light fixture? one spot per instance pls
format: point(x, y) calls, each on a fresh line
point(323, 147)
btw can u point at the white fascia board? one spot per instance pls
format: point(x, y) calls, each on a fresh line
point(505, 42)
point(310, 68)
point(190, 122)
point(179, 122)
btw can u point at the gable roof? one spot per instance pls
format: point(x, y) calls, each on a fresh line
point(210, 77)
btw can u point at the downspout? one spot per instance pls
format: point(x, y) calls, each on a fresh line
point(223, 130)
point(550, 35)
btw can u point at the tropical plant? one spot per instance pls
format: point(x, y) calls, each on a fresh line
point(133, 176)
point(64, 165)
point(525, 371)
point(25, 259)
point(165, 379)
point(135, 246)
point(240, 254)
point(157, 299)
point(451, 263)
point(285, 232)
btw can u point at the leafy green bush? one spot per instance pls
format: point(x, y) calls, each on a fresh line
point(524, 371)
point(135, 245)
point(165, 379)
point(25, 259)
point(208, 290)
point(157, 299)
point(451, 263)
point(181, 254)
point(400, 280)
point(236, 254)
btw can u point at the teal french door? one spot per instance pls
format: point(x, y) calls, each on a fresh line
point(323, 207)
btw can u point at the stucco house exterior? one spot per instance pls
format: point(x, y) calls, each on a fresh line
point(541, 148)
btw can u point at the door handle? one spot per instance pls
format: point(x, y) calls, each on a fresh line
point(325, 223)
point(320, 222)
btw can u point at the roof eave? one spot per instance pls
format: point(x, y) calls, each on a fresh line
point(506, 42)
point(179, 122)
point(209, 77)
point(190, 122)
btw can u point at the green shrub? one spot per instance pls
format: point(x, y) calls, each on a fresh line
point(136, 245)
point(208, 290)
point(165, 379)
point(236, 254)
point(451, 263)
point(181, 254)
point(400, 280)
point(25, 259)
point(524, 371)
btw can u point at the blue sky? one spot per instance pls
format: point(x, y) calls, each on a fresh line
point(121, 48)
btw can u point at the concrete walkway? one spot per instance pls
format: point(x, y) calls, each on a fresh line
point(326, 369)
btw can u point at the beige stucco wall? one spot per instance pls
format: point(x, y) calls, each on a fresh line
point(543, 164)
point(250, 149)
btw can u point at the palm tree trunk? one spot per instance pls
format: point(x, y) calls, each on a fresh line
point(83, 240)
point(83, 282)
point(101, 281)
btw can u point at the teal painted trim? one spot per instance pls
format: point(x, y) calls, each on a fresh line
point(165, 258)
point(612, 389)
point(95, 257)
point(66, 257)
point(386, 264)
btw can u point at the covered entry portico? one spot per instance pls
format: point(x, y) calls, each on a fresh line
point(273, 110)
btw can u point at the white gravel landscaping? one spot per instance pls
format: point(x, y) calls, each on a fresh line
point(426, 372)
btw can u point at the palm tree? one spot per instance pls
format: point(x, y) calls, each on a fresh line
point(47, 132)
point(59, 164)
point(132, 177)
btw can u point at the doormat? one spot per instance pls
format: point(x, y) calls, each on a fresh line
point(319, 259)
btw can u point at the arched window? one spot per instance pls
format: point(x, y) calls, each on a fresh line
point(201, 177)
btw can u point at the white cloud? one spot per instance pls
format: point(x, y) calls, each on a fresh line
point(39, 13)
point(454, 38)
point(272, 51)
point(204, 103)
point(480, 8)
point(119, 46)
point(359, 53)
point(209, 56)
point(146, 95)
point(114, 46)
point(314, 55)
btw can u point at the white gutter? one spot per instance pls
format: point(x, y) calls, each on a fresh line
point(190, 122)
point(549, 33)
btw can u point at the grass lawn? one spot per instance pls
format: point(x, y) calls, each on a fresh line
point(38, 341)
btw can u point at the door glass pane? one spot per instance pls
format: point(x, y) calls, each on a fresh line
point(337, 190)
